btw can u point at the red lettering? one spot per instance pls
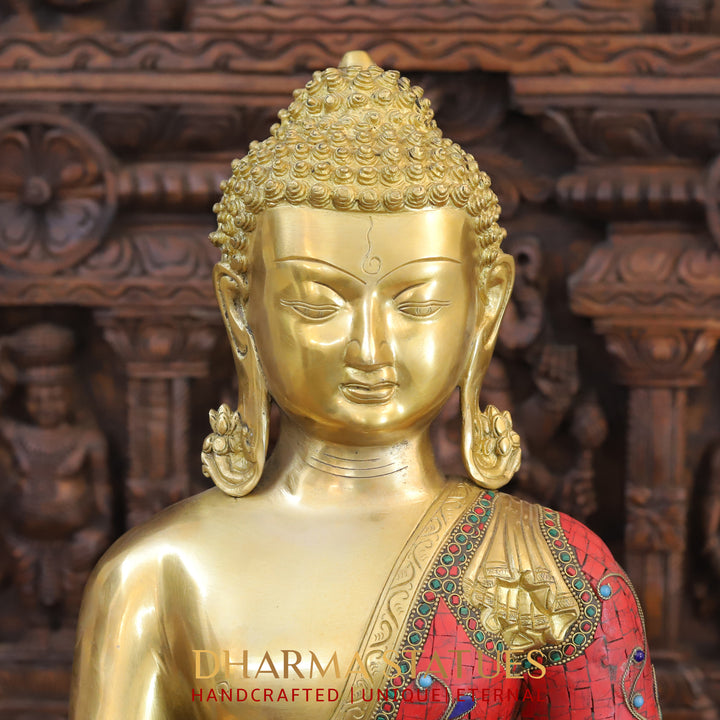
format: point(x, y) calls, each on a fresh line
point(196, 694)
point(252, 695)
point(486, 694)
point(237, 695)
point(224, 693)
point(320, 695)
point(268, 691)
point(497, 693)
point(332, 694)
point(211, 696)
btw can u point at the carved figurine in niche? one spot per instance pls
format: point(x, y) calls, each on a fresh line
point(361, 282)
point(553, 401)
point(57, 521)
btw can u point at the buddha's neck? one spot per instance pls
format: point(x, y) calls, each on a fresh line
point(308, 472)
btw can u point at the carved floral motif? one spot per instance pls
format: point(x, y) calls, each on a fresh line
point(656, 519)
point(57, 192)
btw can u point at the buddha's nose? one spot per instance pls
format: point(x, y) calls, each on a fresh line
point(369, 347)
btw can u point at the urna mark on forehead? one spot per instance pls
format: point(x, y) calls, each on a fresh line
point(367, 245)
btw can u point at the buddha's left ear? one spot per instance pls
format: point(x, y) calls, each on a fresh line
point(233, 454)
point(491, 450)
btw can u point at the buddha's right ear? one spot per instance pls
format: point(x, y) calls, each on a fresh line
point(233, 454)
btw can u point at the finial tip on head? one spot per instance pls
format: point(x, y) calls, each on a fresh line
point(356, 58)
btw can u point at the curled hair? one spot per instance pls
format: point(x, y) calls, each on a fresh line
point(355, 139)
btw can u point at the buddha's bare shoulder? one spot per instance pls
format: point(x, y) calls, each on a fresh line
point(188, 532)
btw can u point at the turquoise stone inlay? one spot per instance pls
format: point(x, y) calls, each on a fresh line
point(424, 681)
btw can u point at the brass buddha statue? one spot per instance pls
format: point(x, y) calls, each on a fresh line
point(361, 282)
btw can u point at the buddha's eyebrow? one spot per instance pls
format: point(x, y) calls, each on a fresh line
point(421, 260)
point(300, 258)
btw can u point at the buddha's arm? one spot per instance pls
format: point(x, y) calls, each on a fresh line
point(119, 670)
point(613, 678)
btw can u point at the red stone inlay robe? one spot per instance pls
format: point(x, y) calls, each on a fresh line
point(589, 686)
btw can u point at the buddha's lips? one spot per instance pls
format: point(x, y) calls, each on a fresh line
point(369, 386)
point(367, 394)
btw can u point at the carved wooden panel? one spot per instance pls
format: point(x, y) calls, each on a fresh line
point(599, 123)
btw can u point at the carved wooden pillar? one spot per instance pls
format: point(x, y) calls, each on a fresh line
point(654, 292)
point(162, 353)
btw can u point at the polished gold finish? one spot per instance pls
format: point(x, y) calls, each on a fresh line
point(491, 449)
point(516, 583)
point(381, 639)
point(360, 283)
point(360, 140)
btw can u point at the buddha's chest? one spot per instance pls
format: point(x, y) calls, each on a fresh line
point(287, 614)
point(280, 623)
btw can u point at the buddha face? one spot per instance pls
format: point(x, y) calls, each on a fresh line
point(363, 323)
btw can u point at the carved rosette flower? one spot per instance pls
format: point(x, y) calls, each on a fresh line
point(57, 192)
point(497, 449)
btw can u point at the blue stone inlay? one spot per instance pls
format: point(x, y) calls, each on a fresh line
point(638, 656)
point(424, 681)
point(638, 701)
point(605, 591)
point(463, 706)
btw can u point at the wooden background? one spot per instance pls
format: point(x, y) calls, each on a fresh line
point(599, 123)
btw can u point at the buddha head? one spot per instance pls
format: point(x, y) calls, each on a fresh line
point(361, 278)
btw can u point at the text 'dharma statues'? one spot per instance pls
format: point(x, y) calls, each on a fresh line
point(345, 577)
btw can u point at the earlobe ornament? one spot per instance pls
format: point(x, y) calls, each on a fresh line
point(229, 454)
point(491, 448)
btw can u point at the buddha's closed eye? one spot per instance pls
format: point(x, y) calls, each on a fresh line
point(311, 311)
point(422, 310)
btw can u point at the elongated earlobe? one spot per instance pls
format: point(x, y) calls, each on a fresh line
point(491, 448)
point(233, 454)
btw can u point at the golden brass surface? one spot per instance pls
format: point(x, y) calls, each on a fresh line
point(515, 580)
point(361, 282)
